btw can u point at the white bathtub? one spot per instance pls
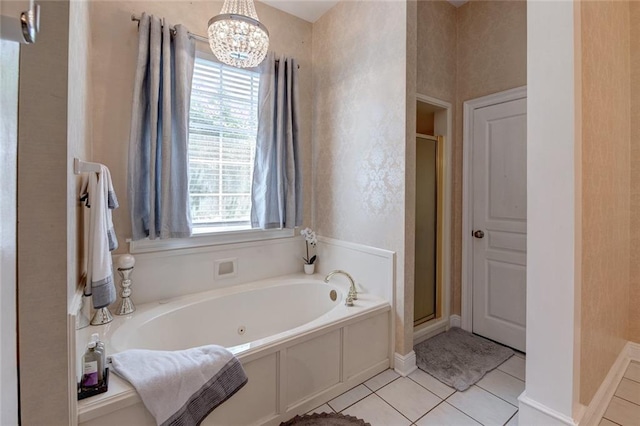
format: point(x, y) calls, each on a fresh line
point(299, 347)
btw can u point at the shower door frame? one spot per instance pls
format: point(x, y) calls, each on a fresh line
point(440, 180)
point(444, 127)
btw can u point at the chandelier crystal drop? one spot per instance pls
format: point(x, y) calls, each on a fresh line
point(236, 36)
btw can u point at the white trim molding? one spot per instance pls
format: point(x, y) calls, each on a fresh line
point(585, 416)
point(455, 321)
point(467, 195)
point(443, 126)
point(429, 329)
point(604, 394)
point(633, 351)
point(200, 239)
point(539, 414)
point(405, 364)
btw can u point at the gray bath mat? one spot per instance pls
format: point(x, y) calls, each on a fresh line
point(325, 419)
point(459, 358)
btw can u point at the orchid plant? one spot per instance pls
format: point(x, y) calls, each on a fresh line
point(309, 239)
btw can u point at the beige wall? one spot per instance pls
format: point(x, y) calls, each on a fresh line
point(52, 129)
point(436, 74)
point(359, 131)
point(492, 57)
point(475, 50)
point(437, 45)
point(406, 287)
point(114, 53)
point(605, 189)
point(634, 299)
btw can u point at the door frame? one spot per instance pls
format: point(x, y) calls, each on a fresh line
point(444, 127)
point(469, 107)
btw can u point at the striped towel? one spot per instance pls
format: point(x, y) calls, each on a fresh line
point(99, 196)
point(181, 387)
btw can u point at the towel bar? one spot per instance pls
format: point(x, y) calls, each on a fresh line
point(80, 166)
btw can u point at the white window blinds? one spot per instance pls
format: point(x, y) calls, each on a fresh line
point(222, 138)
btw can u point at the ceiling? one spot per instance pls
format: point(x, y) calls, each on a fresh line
point(312, 10)
point(309, 10)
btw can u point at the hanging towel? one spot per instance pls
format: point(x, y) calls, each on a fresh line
point(99, 196)
point(181, 387)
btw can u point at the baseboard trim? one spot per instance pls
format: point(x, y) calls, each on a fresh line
point(633, 351)
point(455, 321)
point(607, 389)
point(405, 364)
point(534, 413)
point(430, 329)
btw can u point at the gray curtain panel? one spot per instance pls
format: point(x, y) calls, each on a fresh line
point(158, 175)
point(276, 193)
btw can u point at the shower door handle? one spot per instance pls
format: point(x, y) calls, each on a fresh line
point(478, 234)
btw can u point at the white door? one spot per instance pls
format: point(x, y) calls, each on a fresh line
point(499, 161)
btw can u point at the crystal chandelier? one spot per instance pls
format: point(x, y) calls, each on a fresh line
point(236, 36)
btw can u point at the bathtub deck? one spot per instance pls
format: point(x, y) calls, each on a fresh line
point(287, 376)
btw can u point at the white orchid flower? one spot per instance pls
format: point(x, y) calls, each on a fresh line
point(310, 239)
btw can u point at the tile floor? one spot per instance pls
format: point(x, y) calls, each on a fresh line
point(624, 408)
point(390, 400)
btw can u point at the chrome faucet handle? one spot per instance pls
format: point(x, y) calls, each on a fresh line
point(349, 300)
point(353, 294)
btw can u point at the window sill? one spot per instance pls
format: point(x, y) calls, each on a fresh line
point(204, 237)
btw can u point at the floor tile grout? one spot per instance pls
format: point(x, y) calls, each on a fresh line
point(628, 378)
point(514, 414)
point(624, 399)
point(424, 387)
point(505, 372)
point(611, 421)
point(497, 396)
point(366, 396)
point(385, 401)
point(437, 405)
point(393, 380)
point(441, 400)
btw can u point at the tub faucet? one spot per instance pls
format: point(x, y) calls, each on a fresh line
point(353, 294)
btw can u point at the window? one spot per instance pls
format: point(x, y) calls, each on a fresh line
point(222, 138)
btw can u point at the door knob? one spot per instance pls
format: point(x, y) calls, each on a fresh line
point(478, 234)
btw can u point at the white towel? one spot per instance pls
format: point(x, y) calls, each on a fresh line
point(100, 197)
point(181, 387)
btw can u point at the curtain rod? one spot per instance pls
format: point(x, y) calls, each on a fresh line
point(197, 37)
point(173, 30)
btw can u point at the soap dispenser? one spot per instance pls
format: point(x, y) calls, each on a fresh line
point(100, 348)
point(92, 367)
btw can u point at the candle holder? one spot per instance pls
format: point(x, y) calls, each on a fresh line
point(102, 316)
point(126, 262)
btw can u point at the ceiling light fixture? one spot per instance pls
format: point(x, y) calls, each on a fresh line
point(236, 36)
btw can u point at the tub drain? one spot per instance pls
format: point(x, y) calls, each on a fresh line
point(242, 329)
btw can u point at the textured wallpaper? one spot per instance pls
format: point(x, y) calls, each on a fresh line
point(114, 53)
point(634, 299)
point(436, 67)
point(492, 57)
point(605, 189)
point(359, 92)
point(407, 289)
point(437, 44)
point(465, 53)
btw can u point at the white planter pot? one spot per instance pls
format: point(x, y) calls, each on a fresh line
point(309, 269)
